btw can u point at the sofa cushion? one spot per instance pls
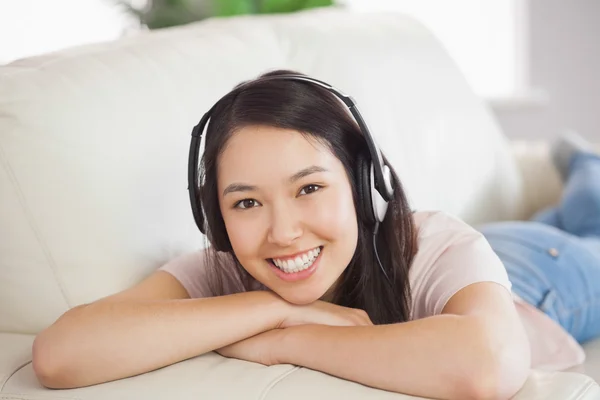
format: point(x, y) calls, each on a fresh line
point(15, 353)
point(93, 162)
point(94, 142)
point(214, 377)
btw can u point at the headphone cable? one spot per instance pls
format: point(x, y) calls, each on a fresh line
point(377, 255)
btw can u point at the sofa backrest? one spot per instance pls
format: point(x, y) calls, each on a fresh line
point(94, 142)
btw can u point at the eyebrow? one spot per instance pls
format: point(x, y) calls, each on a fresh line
point(241, 187)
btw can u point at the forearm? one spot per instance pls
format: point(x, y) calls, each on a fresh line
point(444, 357)
point(106, 341)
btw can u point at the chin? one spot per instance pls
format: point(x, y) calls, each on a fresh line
point(300, 299)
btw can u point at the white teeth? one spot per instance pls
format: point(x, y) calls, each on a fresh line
point(299, 263)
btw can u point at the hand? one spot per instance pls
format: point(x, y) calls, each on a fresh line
point(260, 348)
point(324, 313)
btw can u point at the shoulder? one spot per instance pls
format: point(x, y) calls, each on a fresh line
point(431, 223)
point(439, 232)
point(451, 255)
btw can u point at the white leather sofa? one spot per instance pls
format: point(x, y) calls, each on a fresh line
point(93, 191)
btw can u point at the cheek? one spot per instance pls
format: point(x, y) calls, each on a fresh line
point(240, 230)
point(242, 242)
point(337, 218)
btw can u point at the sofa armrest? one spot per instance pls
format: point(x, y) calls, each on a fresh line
point(558, 385)
point(211, 376)
point(542, 185)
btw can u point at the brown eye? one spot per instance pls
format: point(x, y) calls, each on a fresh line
point(246, 203)
point(308, 189)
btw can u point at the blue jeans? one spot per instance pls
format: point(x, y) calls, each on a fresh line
point(553, 261)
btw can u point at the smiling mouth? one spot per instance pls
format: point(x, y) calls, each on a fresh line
point(299, 263)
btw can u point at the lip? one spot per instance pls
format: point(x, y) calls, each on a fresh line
point(291, 257)
point(297, 276)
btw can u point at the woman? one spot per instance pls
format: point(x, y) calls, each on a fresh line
point(425, 305)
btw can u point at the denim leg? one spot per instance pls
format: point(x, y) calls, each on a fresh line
point(579, 209)
point(549, 216)
point(553, 261)
point(555, 271)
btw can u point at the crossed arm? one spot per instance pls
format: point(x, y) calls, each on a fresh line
point(477, 349)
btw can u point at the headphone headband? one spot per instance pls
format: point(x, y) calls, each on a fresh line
point(381, 182)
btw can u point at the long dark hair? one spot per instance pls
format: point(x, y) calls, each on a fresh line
point(313, 111)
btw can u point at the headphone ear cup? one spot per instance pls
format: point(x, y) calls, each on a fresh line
point(363, 185)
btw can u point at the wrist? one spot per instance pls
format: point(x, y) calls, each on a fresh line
point(277, 307)
point(294, 344)
point(285, 346)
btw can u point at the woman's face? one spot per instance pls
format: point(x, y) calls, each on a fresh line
point(287, 205)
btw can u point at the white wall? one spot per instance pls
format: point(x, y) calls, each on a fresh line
point(565, 63)
point(564, 46)
point(32, 27)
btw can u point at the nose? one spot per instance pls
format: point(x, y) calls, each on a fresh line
point(285, 226)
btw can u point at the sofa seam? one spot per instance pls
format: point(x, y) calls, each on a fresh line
point(589, 386)
point(19, 194)
point(25, 396)
point(275, 381)
point(12, 374)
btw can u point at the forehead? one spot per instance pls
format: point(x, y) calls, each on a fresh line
point(263, 153)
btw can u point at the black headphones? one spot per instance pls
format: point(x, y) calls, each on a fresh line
point(374, 179)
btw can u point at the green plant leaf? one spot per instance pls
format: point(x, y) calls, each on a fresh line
point(224, 8)
point(166, 13)
point(287, 6)
point(318, 3)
